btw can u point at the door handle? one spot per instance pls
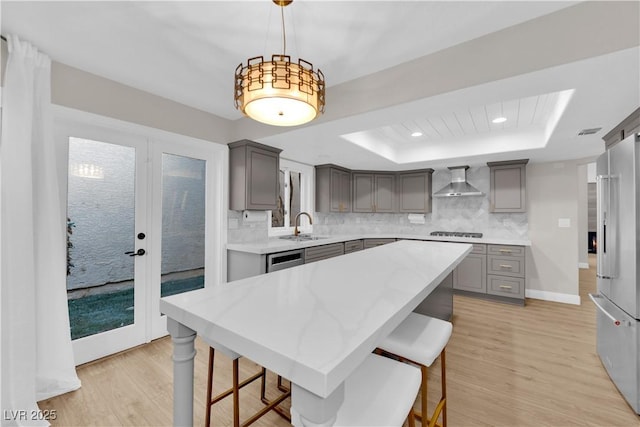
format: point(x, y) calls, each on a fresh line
point(139, 252)
point(616, 322)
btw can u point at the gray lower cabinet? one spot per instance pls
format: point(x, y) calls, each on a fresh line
point(253, 176)
point(506, 271)
point(471, 274)
point(353, 246)
point(372, 243)
point(493, 271)
point(317, 253)
point(333, 189)
point(508, 185)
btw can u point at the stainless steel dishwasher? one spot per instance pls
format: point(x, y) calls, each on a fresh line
point(282, 260)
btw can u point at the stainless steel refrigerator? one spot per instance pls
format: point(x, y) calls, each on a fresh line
point(618, 265)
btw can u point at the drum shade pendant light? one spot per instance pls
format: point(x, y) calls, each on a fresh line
point(279, 92)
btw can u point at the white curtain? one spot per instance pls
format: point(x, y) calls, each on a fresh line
point(37, 356)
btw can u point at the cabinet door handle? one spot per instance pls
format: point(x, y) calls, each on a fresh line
point(505, 251)
point(505, 266)
point(504, 287)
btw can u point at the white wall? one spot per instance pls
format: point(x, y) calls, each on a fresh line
point(552, 260)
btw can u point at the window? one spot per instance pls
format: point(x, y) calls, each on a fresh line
point(295, 196)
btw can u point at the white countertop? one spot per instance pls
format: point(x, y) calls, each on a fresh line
point(315, 323)
point(276, 244)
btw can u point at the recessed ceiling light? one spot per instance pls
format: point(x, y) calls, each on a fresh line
point(416, 134)
point(499, 120)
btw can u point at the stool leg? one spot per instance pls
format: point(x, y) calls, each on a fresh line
point(236, 395)
point(207, 421)
point(444, 386)
point(412, 418)
point(423, 393)
point(263, 385)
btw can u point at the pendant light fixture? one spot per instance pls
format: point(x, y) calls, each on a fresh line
point(279, 92)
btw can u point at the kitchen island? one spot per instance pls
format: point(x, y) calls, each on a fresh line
point(312, 324)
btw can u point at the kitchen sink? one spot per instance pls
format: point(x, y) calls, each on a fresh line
point(302, 237)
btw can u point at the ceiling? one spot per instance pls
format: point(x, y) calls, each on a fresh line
point(391, 68)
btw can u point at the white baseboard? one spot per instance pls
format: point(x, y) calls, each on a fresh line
point(583, 265)
point(552, 296)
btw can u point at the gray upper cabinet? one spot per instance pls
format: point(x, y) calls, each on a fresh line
point(508, 186)
point(627, 127)
point(373, 192)
point(414, 191)
point(253, 176)
point(333, 189)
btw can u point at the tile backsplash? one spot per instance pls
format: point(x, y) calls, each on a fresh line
point(467, 213)
point(240, 230)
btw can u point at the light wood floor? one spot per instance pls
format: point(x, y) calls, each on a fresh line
point(506, 366)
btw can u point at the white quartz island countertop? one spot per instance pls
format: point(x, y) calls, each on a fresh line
point(313, 324)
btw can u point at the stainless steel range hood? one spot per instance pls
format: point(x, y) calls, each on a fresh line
point(459, 185)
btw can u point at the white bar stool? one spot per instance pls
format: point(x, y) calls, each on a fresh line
point(419, 340)
point(235, 389)
point(380, 392)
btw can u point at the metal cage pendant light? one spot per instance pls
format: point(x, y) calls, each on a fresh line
point(279, 92)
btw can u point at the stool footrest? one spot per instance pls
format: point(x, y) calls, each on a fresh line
point(434, 418)
point(230, 391)
point(271, 406)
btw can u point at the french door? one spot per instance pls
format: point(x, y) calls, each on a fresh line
point(144, 220)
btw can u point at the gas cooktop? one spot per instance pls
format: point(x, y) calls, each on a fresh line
point(456, 234)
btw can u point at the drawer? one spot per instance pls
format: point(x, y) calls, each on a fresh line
point(505, 286)
point(372, 243)
point(506, 250)
point(353, 246)
point(505, 265)
point(479, 248)
point(316, 253)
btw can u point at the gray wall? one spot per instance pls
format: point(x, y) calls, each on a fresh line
point(583, 248)
point(552, 194)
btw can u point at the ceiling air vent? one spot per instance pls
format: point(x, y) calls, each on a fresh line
point(588, 131)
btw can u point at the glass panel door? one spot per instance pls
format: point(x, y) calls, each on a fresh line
point(183, 224)
point(104, 255)
point(146, 218)
point(182, 193)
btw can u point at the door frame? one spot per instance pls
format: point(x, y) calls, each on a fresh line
point(71, 122)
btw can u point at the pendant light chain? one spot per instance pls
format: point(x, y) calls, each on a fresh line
point(284, 34)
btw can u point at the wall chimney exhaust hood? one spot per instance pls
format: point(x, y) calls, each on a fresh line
point(459, 185)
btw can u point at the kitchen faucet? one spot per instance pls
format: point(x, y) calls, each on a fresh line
point(295, 230)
